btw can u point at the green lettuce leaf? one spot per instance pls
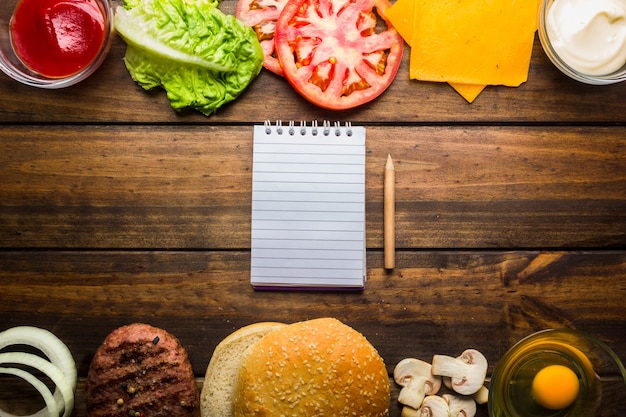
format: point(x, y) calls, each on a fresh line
point(202, 57)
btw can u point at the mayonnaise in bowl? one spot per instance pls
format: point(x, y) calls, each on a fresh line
point(587, 37)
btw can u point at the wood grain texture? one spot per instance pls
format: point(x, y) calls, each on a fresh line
point(190, 188)
point(510, 216)
point(432, 301)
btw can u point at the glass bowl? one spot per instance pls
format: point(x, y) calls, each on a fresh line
point(560, 63)
point(601, 375)
point(14, 66)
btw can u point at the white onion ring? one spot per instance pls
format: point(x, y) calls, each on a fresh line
point(46, 342)
point(66, 403)
point(56, 351)
point(51, 404)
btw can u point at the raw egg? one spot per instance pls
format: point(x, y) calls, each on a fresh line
point(555, 387)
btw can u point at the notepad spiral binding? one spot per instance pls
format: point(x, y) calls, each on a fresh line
point(326, 129)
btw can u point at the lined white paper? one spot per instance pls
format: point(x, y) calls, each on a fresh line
point(308, 207)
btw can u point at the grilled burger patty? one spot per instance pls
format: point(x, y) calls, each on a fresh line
point(141, 371)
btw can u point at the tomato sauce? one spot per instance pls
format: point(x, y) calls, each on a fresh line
point(57, 38)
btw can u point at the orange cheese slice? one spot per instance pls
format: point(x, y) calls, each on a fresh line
point(468, 91)
point(401, 15)
point(484, 42)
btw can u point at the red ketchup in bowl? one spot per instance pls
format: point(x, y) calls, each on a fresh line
point(57, 38)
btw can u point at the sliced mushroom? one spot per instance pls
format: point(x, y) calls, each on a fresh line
point(417, 381)
point(460, 406)
point(467, 372)
point(434, 406)
point(482, 395)
point(409, 412)
point(407, 368)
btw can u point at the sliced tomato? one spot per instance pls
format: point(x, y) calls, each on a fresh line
point(261, 15)
point(338, 54)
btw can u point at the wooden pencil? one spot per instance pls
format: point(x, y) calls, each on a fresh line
point(389, 215)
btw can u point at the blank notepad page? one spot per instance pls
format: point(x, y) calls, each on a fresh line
point(308, 207)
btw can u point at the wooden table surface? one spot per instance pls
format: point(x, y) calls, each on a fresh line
point(511, 215)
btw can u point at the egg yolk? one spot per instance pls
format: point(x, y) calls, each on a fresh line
point(555, 387)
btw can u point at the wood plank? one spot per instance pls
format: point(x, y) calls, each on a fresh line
point(190, 186)
point(433, 302)
point(110, 95)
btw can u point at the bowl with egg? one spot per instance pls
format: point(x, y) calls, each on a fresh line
point(557, 373)
point(585, 39)
point(54, 43)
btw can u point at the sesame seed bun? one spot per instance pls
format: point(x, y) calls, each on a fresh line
point(216, 398)
point(319, 367)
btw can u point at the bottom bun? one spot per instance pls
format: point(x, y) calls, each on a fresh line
point(319, 367)
point(216, 398)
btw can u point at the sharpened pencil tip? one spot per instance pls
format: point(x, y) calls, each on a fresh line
point(389, 164)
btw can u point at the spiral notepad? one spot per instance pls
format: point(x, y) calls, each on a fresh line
point(308, 206)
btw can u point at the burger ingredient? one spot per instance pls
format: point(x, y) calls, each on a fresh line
point(60, 366)
point(332, 52)
point(51, 408)
point(482, 395)
point(66, 401)
point(410, 412)
point(401, 15)
point(413, 393)
point(434, 406)
point(318, 367)
point(261, 15)
point(467, 372)
point(216, 398)
point(154, 380)
point(468, 44)
point(555, 387)
point(417, 381)
point(57, 38)
point(46, 342)
point(460, 406)
point(202, 57)
point(449, 371)
point(590, 36)
point(499, 53)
